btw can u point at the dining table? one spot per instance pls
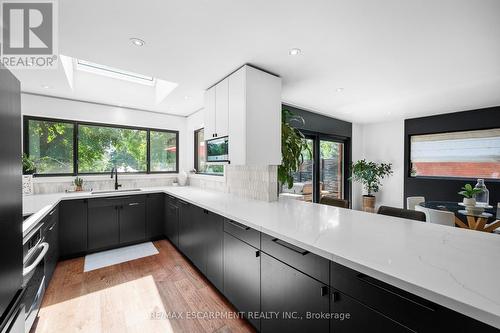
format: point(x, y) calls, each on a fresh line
point(485, 221)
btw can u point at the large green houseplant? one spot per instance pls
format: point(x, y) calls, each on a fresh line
point(293, 147)
point(370, 175)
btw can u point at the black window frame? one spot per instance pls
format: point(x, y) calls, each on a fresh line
point(196, 157)
point(76, 124)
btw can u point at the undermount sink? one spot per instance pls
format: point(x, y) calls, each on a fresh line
point(117, 191)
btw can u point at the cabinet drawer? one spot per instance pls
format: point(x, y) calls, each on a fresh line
point(134, 200)
point(302, 260)
point(242, 232)
point(401, 306)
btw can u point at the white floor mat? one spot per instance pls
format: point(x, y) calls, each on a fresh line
point(116, 256)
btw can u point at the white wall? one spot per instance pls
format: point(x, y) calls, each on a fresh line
point(194, 122)
point(51, 107)
point(381, 142)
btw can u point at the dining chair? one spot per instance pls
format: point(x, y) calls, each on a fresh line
point(331, 201)
point(403, 213)
point(411, 202)
point(437, 216)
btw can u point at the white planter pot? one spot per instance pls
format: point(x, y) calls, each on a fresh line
point(469, 202)
point(27, 184)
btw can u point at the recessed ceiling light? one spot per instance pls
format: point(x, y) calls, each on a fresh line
point(340, 89)
point(294, 52)
point(137, 41)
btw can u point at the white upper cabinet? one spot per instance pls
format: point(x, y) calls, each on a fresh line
point(209, 113)
point(222, 108)
point(246, 106)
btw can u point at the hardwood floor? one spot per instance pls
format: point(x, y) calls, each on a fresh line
point(159, 293)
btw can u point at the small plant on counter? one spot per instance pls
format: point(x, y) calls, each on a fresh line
point(78, 183)
point(469, 193)
point(293, 147)
point(29, 165)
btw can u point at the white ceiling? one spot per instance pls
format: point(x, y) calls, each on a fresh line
point(394, 58)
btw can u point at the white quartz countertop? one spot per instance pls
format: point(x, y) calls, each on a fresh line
point(453, 267)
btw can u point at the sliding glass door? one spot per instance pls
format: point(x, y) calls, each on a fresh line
point(331, 169)
point(321, 173)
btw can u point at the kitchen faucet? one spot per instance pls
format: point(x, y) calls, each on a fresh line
point(115, 171)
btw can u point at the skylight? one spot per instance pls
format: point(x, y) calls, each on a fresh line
point(115, 73)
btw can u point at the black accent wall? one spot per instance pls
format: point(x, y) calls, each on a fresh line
point(439, 188)
point(320, 126)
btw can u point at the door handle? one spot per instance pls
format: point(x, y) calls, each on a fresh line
point(290, 246)
point(335, 296)
point(324, 290)
point(30, 268)
point(257, 254)
point(52, 227)
point(52, 212)
point(237, 225)
point(133, 204)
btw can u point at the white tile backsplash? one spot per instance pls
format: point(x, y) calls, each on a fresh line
point(254, 182)
point(45, 185)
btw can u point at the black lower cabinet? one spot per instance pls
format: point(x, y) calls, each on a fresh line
point(350, 315)
point(72, 227)
point(132, 219)
point(186, 228)
point(103, 224)
point(171, 221)
point(300, 302)
point(51, 233)
point(242, 277)
point(155, 215)
point(214, 238)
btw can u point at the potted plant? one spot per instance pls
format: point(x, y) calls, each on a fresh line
point(370, 175)
point(78, 184)
point(469, 193)
point(29, 168)
point(293, 146)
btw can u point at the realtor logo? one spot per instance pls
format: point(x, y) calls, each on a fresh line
point(29, 34)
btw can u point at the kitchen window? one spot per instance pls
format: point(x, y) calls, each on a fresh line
point(51, 145)
point(101, 148)
point(466, 154)
point(65, 147)
point(163, 151)
point(200, 156)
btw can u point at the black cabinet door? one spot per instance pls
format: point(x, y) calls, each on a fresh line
point(133, 219)
point(171, 223)
point(242, 276)
point(361, 318)
point(103, 227)
point(198, 238)
point(186, 228)
point(52, 238)
point(72, 227)
point(292, 295)
point(155, 215)
point(214, 237)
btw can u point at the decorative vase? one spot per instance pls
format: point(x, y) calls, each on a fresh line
point(483, 197)
point(182, 178)
point(369, 203)
point(78, 188)
point(27, 184)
